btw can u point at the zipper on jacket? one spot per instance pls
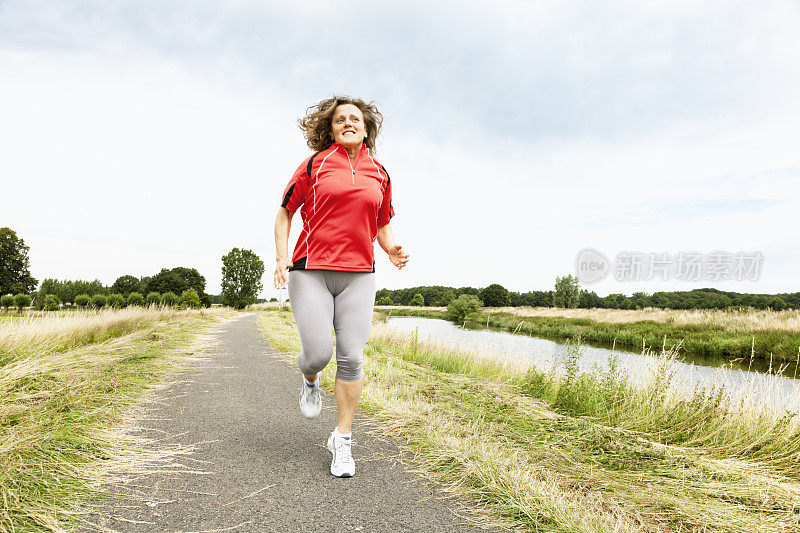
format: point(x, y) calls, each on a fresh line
point(352, 169)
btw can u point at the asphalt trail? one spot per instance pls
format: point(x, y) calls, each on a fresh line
point(258, 465)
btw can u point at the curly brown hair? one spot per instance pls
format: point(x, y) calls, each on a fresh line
point(317, 124)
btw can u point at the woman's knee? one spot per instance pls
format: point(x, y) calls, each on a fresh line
point(312, 364)
point(313, 359)
point(349, 370)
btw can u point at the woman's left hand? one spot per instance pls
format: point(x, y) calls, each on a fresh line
point(397, 256)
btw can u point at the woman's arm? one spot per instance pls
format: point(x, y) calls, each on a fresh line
point(397, 256)
point(283, 223)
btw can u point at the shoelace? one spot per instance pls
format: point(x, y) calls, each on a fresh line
point(343, 449)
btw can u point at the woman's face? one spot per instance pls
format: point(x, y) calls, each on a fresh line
point(348, 125)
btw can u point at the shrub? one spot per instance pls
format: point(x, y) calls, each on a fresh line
point(6, 301)
point(153, 298)
point(385, 301)
point(463, 306)
point(82, 300)
point(135, 298)
point(189, 298)
point(99, 301)
point(170, 298)
point(51, 302)
point(417, 300)
point(22, 301)
point(116, 300)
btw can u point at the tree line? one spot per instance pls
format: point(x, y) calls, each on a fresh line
point(171, 286)
point(496, 295)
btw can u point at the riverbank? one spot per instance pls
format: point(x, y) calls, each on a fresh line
point(584, 452)
point(736, 335)
point(66, 382)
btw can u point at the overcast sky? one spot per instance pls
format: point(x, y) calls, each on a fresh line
point(141, 135)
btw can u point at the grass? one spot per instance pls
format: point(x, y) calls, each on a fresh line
point(67, 381)
point(578, 452)
point(732, 335)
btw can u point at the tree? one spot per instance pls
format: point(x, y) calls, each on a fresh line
point(241, 278)
point(417, 300)
point(89, 287)
point(51, 302)
point(494, 296)
point(126, 285)
point(588, 300)
point(135, 298)
point(190, 298)
point(6, 301)
point(567, 292)
point(175, 280)
point(38, 300)
point(640, 300)
point(777, 304)
point(15, 276)
point(385, 300)
point(192, 278)
point(462, 307)
point(22, 301)
point(206, 300)
point(167, 281)
point(169, 298)
point(65, 290)
point(447, 297)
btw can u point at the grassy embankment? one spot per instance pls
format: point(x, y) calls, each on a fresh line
point(583, 452)
point(760, 334)
point(67, 380)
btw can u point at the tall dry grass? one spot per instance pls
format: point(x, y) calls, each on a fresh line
point(738, 321)
point(44, 332)
point(66, 382)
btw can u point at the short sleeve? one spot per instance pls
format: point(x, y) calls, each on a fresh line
point(295, 193)
point(386, 211)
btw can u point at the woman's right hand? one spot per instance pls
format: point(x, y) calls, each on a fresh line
point(282, 272)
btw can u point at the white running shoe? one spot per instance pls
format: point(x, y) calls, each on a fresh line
point(342, 464)
point(310, 399)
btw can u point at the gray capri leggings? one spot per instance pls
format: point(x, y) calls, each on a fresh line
point(324, 298)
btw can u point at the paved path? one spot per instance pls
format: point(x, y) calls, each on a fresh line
point(259, 465)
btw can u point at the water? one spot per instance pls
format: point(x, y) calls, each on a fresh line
point(777, 391)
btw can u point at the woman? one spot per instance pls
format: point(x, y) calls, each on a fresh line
point(345, 199)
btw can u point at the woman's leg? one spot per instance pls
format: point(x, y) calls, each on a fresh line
point(312, 306)
point(352, 320)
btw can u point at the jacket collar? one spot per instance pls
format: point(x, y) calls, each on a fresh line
point(364, 149)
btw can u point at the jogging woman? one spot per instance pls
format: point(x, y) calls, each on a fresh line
point(345, 199)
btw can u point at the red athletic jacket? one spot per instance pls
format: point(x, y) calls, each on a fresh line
point(343, 204)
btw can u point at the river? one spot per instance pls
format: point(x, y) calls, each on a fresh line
point(778, 392)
